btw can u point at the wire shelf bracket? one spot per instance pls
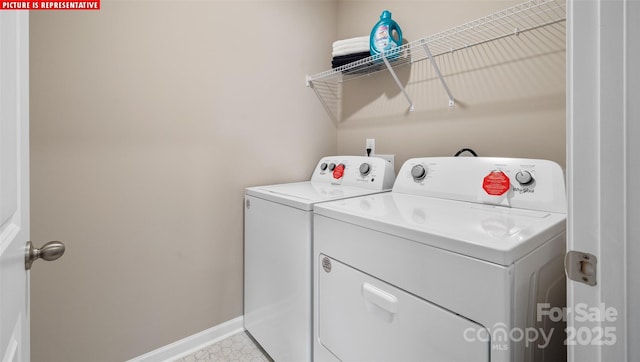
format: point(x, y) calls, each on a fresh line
point(423, 42)
point(395, 77)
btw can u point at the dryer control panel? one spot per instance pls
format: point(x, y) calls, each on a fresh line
point(360, 171)
point(512, 182)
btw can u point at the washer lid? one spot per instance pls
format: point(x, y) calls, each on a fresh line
point(303, 195)
point(496, 234)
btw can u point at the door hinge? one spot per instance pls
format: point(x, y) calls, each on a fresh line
point(581, 267)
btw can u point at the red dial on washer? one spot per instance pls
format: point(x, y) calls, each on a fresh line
point(496, 183)
point(338, 172)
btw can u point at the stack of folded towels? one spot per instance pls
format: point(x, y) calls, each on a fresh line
point(349, 50)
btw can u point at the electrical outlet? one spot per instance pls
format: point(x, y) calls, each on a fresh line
point(389, 158)
point(370, 145)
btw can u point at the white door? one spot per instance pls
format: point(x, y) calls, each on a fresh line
point(603, 160)
point(14, 185)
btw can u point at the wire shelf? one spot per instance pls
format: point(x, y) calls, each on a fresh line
point(513, 21)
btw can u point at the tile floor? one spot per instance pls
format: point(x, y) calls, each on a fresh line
point(237, 348)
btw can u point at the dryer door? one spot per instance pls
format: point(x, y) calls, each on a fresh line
point(361, 318)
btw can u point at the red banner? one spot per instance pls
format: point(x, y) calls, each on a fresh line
point(50, 5)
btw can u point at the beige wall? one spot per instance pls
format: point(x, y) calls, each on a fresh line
point(510, 93)
point(147, 120)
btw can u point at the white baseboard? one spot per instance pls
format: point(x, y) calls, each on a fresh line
point(188, 345)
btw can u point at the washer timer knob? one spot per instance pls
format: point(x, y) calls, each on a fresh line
point(365, 168)
point(524, 178)
point(418, 172)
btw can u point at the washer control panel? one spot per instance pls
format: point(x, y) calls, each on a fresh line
point(368, 172)
point(512, 182)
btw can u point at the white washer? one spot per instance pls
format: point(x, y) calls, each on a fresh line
point(455, 264)
point(278, 249)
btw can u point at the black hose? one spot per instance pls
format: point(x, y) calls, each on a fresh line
point(466, 150)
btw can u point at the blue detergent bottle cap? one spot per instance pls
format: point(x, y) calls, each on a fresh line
point(385, 36)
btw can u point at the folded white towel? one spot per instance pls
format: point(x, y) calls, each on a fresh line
point(352, 41)
point(350, 49)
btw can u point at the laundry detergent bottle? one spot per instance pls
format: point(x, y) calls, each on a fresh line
point(386, 35)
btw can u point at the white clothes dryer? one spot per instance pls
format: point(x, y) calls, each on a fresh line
point(462, 261)
point(278, 249)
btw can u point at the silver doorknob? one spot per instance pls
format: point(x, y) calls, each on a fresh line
point(49, 251)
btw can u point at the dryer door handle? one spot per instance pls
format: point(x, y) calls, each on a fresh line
point(380, 298)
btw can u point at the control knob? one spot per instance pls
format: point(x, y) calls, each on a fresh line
point(418, 172)
point(323, 166)
point(365, 169)
point(524, 178)
point(332, 166)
